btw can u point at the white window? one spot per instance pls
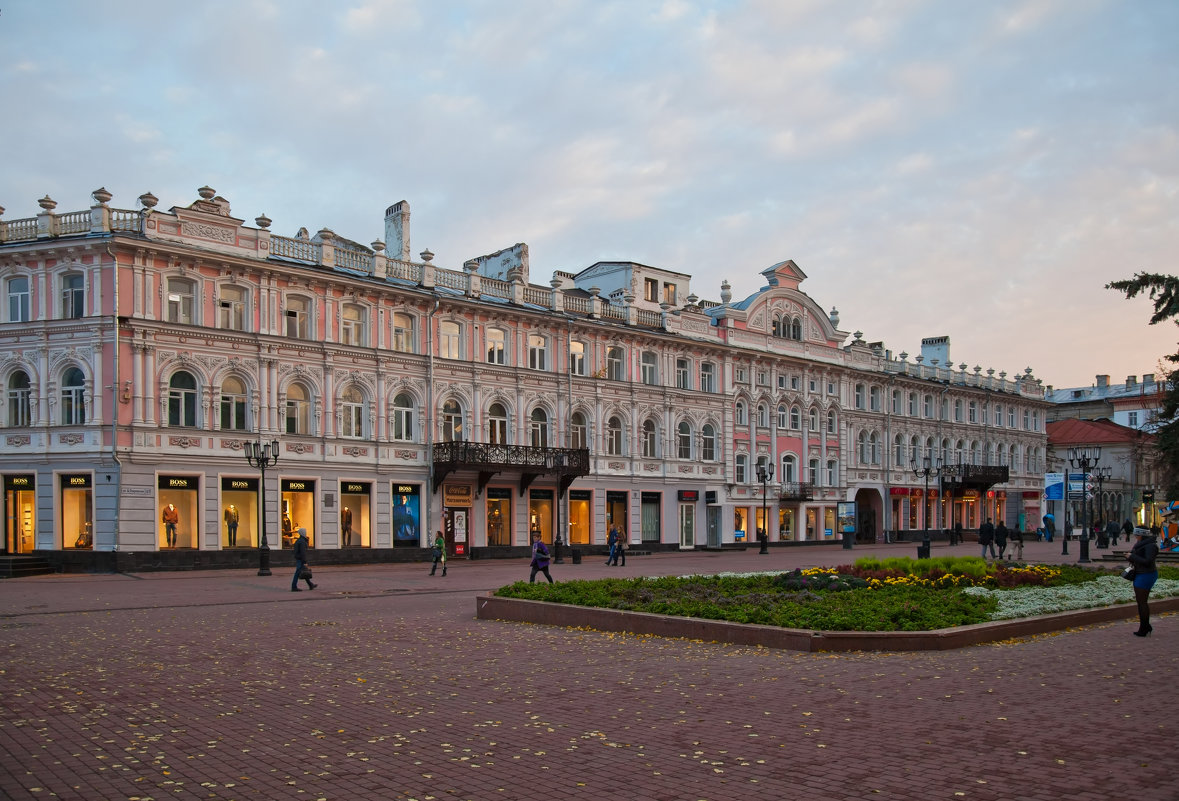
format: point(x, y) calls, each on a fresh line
point(352, 414)
point(999, 415)
point(497, 424)
point(1132, 419)
point(762, 378)
point(958, 410)
point(782, 423)
point(18, 299)
point(650, 368)
point(742, 418)
point(298, 317)
point(73, 397)
point(795, 418)
point(403, 411)
point(539, 430)
point(403, 332)
point(180, 301)
point(684, 441)
point(874, 398)
point(496, 346)
point(708, 443)
point(1027, 420)
point(614, 437)
point(578, 431)
point(73, 296)
point(859, 397)
point(452, 421)
point(577, 358)
point(708, 377)
point(896, 401)
point(298, 412)
point(538, 349)
point(683, 374)
point(449, 340)
point(832, 473)
point(231, 309)
point(831, 421)
point(795, 381)
point(763, 416)
point(812, 471)
point(614, 364)
point(650, 439)
point(20, 394)
point(182, 400)
point(233, 405)
point(898, 451)
point(741, 376)
point(789, 470)
point(742, 468)
point(1011, 417)
point(812, 422)
point(927, 412)
point(353, 325)
point(912, 404)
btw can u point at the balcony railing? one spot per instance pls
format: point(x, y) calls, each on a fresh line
point(796, 491)
point(488, 459)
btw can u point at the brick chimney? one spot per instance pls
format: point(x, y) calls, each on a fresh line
point(1131, 381)
point(397, 231)
point(1102, 381)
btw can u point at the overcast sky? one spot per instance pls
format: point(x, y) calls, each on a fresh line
point(973, 169)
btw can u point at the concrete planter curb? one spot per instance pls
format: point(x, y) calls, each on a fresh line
point(490, 607)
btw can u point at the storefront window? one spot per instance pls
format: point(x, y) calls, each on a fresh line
point(406, 514)
point(239, 512)
point(617, 503)
point(179, 505)
point(540, 514)
point(354, 514)
point(652, 516)
point(785, 524)
point(829, 523)
point(741, 530)
point(812, 518)
point(581, 504)
point(19, 513)
point(298, 510)
point(499, 516)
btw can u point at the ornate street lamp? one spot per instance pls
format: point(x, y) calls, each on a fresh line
point(765, 472)
point(556, 461)
point(1083, 458)
point(261, 456)
point(928, 467)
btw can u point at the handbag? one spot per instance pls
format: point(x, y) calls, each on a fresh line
point(436, 553)
point(305, 573)
point(1130, 573)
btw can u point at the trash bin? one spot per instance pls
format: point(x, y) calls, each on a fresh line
point(577, 556)
point(922, 551)
point(848, 539)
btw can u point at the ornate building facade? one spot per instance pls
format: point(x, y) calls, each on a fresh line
point(143, 349)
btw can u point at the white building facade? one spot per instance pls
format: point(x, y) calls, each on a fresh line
point(144, 348)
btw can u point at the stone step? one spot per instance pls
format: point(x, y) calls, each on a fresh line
point(17, 566)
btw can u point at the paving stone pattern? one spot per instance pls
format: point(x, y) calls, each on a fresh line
point(382, 685)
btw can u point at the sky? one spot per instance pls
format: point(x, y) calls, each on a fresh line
point(978, 170)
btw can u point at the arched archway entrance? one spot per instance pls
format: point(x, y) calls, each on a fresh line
point(870, 515)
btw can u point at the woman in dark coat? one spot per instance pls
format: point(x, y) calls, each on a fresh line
point(1146, 573)
point(1001, 539)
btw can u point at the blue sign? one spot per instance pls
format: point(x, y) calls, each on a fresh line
point(1054, 486)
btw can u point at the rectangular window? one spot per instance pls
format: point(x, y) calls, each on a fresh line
point(231, 309)
point(73, 297)
point(352, 420)
point(180, 301)
point(403, 332)
point(1132, 420)
point(614, 364)
point(577, 358)
point(297, 318)
point(352, 326)
point(650, 369)
point(708, 377)
point(537, 351)
point(683, 374)
point(496, 346)
point(448, 341)
point(650, 290)
point(18, 300)
point(742, 376)
point(669, 294)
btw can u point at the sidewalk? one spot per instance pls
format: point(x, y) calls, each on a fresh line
point(381, 685)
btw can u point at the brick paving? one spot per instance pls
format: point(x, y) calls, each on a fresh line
point(382, 685)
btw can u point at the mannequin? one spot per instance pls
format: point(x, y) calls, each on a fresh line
point(346, 525)
point(170, 518)
point(231, 518)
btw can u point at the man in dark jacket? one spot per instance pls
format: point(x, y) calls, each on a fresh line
point(986, 538)
point(300, 562)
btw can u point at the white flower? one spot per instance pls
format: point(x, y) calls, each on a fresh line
point(1032, 601)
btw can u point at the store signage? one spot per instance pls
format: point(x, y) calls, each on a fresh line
point(689, 495)
point(20, 482)
point(355, 487)
point(239, 484)
point(458, 495)
point(297, 485)
point(178, 482)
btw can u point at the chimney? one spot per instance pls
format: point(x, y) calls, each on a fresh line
point(1102, 381)
point(397, 231)
point(1131, 381)
point(1148, 378)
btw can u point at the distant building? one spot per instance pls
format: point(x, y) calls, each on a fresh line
point(142, 350)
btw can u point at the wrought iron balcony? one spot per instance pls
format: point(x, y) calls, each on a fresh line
point(796, 491)
point(488, 459)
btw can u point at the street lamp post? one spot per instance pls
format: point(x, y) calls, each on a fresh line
point(261, 456)
point(928, 467)
point(765, 472)
point(1102, 474)
point(556, 461)
point(1083, 458)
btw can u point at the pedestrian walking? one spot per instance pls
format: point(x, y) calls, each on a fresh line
point(957, 537)
point(1128, 530)
point(1017, 544)
point(1111, 531)
point(1001, 539)
point(621, 550)
point(301, 563)
point(1146, 573)
point(612, 540)
point(439, 553)
point(540, 559)
point(986, 538)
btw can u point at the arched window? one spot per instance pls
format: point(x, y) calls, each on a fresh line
point(831, 421)
point(233, 404)
point(403, 333)
point(649, 440)
point(578, 431)
point(452, 421)
point(73, 397)
point(182, 400)
point(782, 417)
point(73, 296)
point(789, 470)
point(614, 437)
point(684, 440)
point(898, 451)
point(614, 364)
point(763, 415)
point(539, 430)
point(813, 419)
point(298, 410)
point(354, 325)
point(497, 424)
point(796, 328)
point(708, 443)
point(403, 411)
point(352, 413)
point(795, 418)
point(20, 395)
point(742, 418)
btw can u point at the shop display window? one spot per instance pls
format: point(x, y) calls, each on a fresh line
point(499, 516)
point(20, 514)
point(540, 515)
point(77, 511)
point(298, 511)
point(239, 513)
point(355, 497)
point(179, 500)
point(581, 503)
point(407, 515)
